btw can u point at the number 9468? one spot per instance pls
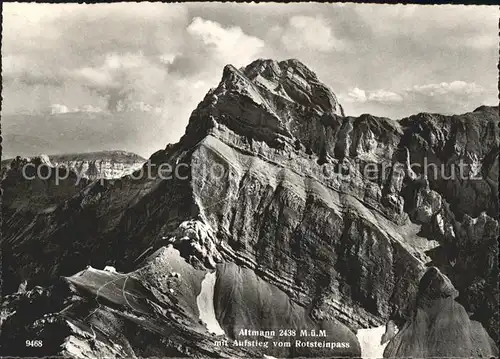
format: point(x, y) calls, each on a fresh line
point(34, 343)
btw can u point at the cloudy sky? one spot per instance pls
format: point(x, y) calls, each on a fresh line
point(388, 60)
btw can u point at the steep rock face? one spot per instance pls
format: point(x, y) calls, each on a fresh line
point(328, 210)
point(469, 257)
point(293, 228)
point(33, 192)
point(243, 300)
point(440, 327)
point(155, 311)
point(455, 201)
point(454, 144)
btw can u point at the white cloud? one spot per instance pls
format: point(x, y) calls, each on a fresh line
point(167, 58)
point(57, 108)
point(231, 44)
point(354, 95)
point(95, 77)
point(88, 108)
point(482, 41)
point(445, 88)
point(78, 27)
point(442, 90)
point(199, 84)
point(309, 33)
point(358, 95)
point(445, 97)
point(13, 65)
point(114, 61)
point(383, 96)
point(449, 97)
point(458, 26)
point(127, 77)
point(169, 55)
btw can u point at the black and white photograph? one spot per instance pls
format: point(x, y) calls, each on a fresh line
point(249, 180)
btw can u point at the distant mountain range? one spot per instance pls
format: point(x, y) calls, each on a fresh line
point(91, 165)
point(77, 132)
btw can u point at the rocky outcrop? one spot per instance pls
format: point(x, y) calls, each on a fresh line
point(95, 313)
point(154, 311)
point(248, 308)
point(461, 156)
point(330, 212)
point(439, 326)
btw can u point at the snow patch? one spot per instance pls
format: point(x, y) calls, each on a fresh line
point(205, 302)
point(110, 269)
point(369, 340)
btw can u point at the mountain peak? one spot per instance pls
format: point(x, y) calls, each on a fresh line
point(269, 101)
point(434, 285)
point(292, 80)
point(264, 66)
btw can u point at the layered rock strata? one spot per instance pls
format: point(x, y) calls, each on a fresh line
point(330, 211)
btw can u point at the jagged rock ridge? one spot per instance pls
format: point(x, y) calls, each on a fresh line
point(90, 165)
point(294, 205)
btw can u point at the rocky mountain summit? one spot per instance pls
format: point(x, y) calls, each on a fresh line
point(282, 211)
